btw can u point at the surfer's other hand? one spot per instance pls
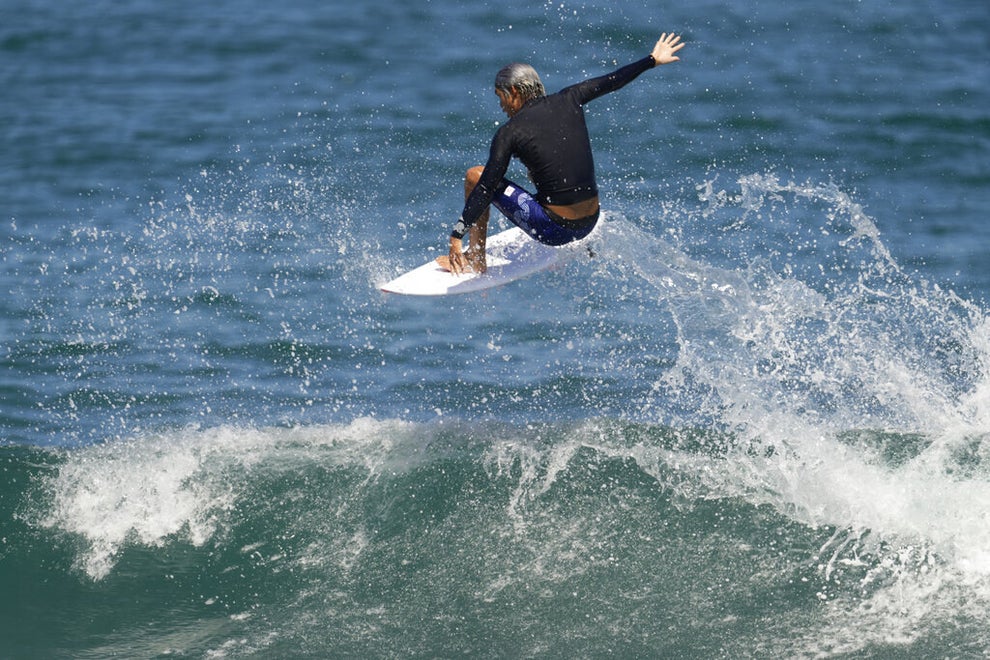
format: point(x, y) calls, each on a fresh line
point(458, 264)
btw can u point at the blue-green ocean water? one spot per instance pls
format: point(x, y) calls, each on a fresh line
point(755, 424)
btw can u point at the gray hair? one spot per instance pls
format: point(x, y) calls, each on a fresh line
point(523, 77)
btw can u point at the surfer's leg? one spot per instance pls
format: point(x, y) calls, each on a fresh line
point(478, 234)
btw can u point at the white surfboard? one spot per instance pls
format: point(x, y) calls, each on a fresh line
point(511, 255)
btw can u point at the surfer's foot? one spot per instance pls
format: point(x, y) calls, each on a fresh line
point(475, 262)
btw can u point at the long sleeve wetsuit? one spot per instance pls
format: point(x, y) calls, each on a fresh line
point(550, 137)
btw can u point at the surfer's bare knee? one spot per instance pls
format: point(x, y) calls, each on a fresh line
point(472, 176)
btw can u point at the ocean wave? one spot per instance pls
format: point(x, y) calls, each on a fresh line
point(258, 537)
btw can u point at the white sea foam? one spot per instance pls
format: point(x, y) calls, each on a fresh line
point(856, 395)
point(183, 485)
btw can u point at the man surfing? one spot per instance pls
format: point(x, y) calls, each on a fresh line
point(549, 135)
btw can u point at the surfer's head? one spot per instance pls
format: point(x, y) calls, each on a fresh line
point(522, 78)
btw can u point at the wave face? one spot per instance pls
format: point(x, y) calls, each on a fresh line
point(393, 538)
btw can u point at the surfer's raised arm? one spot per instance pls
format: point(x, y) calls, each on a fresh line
point(549, 135)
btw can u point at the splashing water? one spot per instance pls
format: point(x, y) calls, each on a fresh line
point(855, 393)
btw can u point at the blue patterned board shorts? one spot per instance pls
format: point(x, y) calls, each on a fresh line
point(545, 226)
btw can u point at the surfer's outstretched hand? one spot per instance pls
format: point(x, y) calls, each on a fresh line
point(663, 52)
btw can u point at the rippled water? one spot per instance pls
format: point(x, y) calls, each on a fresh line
point(751, 426)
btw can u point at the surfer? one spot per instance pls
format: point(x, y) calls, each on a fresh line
point(549, 135)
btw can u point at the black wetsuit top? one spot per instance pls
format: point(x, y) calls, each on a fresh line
point(550, 137)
